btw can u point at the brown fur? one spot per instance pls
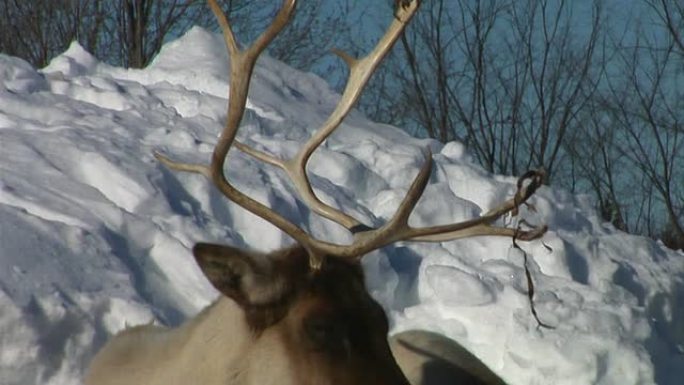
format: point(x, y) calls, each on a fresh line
point(281, 322)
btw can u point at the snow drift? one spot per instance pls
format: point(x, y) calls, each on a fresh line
point(95, 234)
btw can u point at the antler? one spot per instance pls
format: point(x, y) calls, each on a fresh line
point(397, 228)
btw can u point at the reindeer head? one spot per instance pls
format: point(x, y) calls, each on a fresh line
point(308, 326)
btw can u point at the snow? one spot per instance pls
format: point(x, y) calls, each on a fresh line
point(95, 234)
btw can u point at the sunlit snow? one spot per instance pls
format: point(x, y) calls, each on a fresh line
point(95, 234)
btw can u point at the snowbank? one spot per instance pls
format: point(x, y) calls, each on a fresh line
point(95, 235)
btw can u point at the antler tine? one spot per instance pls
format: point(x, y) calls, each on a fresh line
point(482, 225)
point(398, 229)
point(241, 67)
point(360, 71)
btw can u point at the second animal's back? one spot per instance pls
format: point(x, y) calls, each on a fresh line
point(428, 358)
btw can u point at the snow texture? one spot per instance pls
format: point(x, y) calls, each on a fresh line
point(95, 234)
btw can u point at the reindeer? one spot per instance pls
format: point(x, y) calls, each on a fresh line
point(301, 315)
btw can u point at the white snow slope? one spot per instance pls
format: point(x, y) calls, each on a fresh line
point(95, 234)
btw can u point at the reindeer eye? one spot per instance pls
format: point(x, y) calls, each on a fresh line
point(326, 333)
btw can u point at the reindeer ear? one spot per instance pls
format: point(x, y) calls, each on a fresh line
point(246, 277)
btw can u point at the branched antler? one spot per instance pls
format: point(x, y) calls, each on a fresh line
point(397, 228)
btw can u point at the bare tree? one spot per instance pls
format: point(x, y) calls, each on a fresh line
point(671, 14)
point(140, 27)
point(533, 83)
point(315, 32)
point(131, 32)
point(647, 103)
point(506, 78)
point(38, 30)
point(143, 26)
point(597, 166)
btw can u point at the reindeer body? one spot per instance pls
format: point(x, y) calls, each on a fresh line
point(215, 348)
point(207, 349)
point(277, 322)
